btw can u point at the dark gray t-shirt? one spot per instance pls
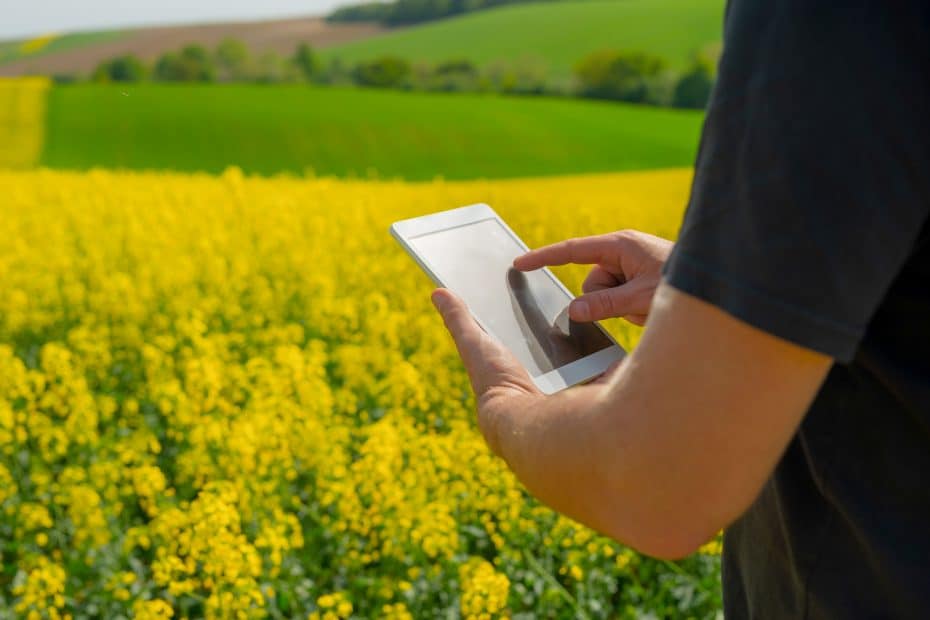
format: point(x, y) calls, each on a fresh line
point(809, 219)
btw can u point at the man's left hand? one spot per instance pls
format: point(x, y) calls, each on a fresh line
point(501, 384)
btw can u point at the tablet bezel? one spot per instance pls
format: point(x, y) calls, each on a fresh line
point(560, 378)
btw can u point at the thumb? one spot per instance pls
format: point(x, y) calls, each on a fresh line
point(603, 304)
point(454, 312)
point(465, 331)
point(488, 363)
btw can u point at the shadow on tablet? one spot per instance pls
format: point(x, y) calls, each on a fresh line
point(551, 345)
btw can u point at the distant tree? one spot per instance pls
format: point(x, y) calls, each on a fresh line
point(660, 88)
point(306, 62)
point(384, 72)
point(191, 64)
point(402, 12)
point(271, 68)
point(413, 11)
point(422, 76)
point(336, 72)
point(127, 68)
point(368, 12)
point(525, 76)
point(709, 55)
point(65, 78)
point(233, 60)
point(457, 66)
point(694, 87)
point(459, 75)
point(623, 76)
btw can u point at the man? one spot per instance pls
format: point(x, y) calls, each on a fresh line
point(781, 389)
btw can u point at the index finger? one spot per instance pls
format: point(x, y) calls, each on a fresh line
point(582, 251)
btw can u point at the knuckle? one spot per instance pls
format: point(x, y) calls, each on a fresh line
point(609, 304)
point(625, 239)
point(622, 236)
point(599, 305)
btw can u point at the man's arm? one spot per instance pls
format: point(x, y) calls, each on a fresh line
point(672, 446)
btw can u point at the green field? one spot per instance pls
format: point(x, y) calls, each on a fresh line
point(557, 33)
point(11, 50)
point(346, 132)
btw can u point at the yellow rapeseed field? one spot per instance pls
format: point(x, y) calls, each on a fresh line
point(22, 121)
point(230, 397)
point(37, 44)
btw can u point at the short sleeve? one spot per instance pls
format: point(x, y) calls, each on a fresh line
point(813, 176)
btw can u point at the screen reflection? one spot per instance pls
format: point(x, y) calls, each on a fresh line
point(551, 345)
point(527, 312)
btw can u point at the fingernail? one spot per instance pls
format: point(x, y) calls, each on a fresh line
point(580, 310)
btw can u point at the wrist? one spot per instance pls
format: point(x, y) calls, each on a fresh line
point(499, 417)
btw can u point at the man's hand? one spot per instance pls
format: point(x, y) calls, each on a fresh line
point(627, 269)
point(672, 446)
point(501, 384)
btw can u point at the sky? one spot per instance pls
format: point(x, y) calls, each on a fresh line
point(25, 18)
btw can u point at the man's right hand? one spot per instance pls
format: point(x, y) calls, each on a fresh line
point(627, 269)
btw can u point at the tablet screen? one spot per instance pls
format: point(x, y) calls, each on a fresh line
point(527, 312)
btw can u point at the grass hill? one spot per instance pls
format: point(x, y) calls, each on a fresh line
point(558, 33)
point(345, 132)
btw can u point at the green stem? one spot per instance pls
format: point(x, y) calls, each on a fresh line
point(552, 581)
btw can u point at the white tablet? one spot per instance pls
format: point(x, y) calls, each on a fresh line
point(470, 251)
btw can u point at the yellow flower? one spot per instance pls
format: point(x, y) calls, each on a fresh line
point(335, 606)
point(41, 590)
point(22, 126)
point(152, 610)
point(36, 44)
point(213, 396)
point(713, 547)
point(484, 590)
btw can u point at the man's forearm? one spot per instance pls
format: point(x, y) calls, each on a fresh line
point(556, 447)
point(682, 438)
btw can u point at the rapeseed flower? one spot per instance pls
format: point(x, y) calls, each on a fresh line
point(224, 396)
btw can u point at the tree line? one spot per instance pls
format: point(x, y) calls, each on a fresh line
point(401, 12)
point(634, 77)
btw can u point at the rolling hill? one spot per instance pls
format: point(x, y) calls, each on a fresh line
point(81, 52)
point(557, 33)
point(346, 132)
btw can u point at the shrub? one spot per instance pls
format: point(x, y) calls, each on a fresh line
point(335, 73)
point(127, 68)
point(383, 72)
point(624, 76)
point(273, 69)
point(693, 89)
point(191, 64)
point(526, 76)
point(454, 76)
point(233, 60)
point(306, 62)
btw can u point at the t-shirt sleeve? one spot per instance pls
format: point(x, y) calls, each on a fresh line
point(813, 175)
